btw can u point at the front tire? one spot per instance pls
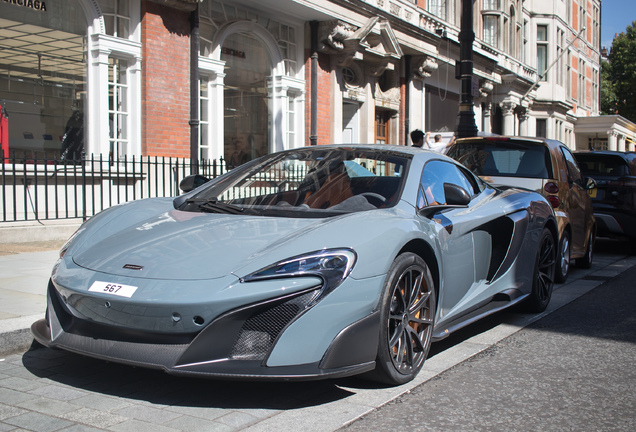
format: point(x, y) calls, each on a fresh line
point(543, 276)
point(407, 317)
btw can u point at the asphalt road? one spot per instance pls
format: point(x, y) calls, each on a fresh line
point(571, 371)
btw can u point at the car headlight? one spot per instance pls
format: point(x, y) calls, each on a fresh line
point(331, 265)
point(68, 242)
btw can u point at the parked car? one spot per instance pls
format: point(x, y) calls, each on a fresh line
point(319, 262)
point(548, 167)
point(614, 198)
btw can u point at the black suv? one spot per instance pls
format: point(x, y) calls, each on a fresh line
point(614, 198)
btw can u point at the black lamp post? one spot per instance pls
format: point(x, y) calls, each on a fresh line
point(466, 126)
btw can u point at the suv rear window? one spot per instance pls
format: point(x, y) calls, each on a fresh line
point(599, 164)
point(503, 158)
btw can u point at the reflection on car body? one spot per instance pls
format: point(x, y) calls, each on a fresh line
point(312, 263)
point(548, 167)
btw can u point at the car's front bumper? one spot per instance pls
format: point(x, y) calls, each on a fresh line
point(238, 344)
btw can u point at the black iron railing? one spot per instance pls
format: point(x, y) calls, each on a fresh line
point(52, 188)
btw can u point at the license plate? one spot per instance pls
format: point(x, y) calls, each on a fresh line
point(592, 193)
point(113, 289)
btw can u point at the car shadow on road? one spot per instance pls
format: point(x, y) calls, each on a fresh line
point(156, 387)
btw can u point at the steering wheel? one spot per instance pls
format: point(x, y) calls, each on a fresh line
point(374, 196)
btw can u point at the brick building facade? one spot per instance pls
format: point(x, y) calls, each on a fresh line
point(114, 78)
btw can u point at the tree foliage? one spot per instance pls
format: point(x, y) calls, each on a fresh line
point(618, 76)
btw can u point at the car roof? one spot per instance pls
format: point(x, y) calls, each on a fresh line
point(504, 138)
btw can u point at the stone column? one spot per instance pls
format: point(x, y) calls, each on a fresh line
point(508, 110)
point(612, 136)
point(523, 122)
point(487, 126)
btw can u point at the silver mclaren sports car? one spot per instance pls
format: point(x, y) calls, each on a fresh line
point(317, 262)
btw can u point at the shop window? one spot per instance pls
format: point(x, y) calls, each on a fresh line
point(116, 17)
point(43, 80)
point(118, 108)
point(245, 98)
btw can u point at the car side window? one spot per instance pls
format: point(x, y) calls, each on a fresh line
point(573, 168)
point(434, 175)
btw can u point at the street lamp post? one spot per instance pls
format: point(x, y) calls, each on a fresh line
point(466, 126)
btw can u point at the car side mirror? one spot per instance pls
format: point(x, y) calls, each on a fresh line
point(590, 183)
point(456, 195)
point(192, 182)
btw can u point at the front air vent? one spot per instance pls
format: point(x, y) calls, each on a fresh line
point(258, 333)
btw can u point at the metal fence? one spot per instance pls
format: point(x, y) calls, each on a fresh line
point(51, 188)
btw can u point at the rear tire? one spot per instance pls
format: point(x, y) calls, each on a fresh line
point(586, 261)
point(543, 276)
point(563, 259)
point(407, 317)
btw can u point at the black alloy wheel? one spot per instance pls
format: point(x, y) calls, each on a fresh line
point(407, 318)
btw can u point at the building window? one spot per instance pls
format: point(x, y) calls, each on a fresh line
point(581, 84)
point(443, 9)
point(524, 49)
point(116, 17)
point(382, 122)
point(490, 33)
point(204, 124)
point(291, 120)
point(596, 27)
point(118, 108)
point(559, 66)
point(287, 43)
point(595, 91)
point(542, 51)
point(542, 126)
point(582, 17)
point(568, 76)
point(492, 5)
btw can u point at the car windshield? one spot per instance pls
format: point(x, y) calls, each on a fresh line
point(307, 183)
point(503, 158)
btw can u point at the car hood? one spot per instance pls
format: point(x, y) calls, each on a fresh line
point(179, 245)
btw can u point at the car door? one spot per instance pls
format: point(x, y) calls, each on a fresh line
point(578, 202)
point(465, 249)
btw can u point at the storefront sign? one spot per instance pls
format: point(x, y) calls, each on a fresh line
point(233, 52)
point(31, 4)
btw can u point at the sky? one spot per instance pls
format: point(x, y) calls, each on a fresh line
point(616, 15)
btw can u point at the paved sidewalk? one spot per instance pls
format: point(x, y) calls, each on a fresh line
point(23, 280)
